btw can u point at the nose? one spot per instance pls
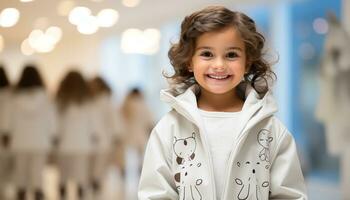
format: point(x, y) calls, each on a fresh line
point(219, 64)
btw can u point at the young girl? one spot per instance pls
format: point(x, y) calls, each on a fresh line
point(139, 121)
point(221, 140)
point(138, 126)
point(5, 113)
point(32, 131)
point(75, 133)
point(109, 131)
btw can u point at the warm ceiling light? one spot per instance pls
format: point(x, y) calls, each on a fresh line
point(26, 0)
point(107, 17)
point(79, 14)
point(34, 37)
point(54, 32)
point(9, 17)
point(26, 49)
point(140, 42)
point(45, 44)
point(131, 3)
point(42, 42)
point(88, 26)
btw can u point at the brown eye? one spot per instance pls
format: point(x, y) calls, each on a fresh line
point(206, 54)
point(231, 55)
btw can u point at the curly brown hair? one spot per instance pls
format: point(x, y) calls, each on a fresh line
point(98, 86)
point(214, 18)
point(73, 89)
point(4, 81)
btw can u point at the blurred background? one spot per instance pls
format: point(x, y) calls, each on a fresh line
point(91, 66)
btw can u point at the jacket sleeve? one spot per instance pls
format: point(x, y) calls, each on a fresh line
point(156, 182)
point(287, 181)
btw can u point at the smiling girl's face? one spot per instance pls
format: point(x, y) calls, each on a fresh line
point(219, 61)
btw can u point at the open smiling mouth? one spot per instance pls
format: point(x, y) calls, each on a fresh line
point(219, 77)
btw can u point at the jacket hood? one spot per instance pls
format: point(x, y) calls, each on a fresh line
point(255, 108)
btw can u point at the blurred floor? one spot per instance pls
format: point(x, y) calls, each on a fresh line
point(320, 185)
point(112, 190)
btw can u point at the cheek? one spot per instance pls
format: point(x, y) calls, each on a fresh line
point(198, 76)
point(199, 69)
point(239, 67)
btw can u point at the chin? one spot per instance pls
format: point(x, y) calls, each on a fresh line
point(220, 90)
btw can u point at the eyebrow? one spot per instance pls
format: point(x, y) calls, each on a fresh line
point(230, 48)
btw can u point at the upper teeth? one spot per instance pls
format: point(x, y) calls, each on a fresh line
point(218, 77)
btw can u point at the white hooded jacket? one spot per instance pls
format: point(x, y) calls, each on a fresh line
point(76, 130)
point(5, 112)
point(108, 123)
point(262, 165)
point(33, 121)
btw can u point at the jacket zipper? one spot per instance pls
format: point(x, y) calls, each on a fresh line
point(232, 155)
point(206, 147)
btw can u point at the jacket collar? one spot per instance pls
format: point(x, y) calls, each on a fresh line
point(255, 108)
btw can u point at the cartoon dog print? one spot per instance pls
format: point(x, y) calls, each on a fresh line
point(250, 185)
point(184, 149)
point(264, 140)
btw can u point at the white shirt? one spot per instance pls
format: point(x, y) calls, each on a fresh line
point(221, 129)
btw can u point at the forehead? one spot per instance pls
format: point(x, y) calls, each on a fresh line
point(226, 37)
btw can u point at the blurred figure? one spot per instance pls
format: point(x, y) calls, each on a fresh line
point(333, 108)
point(139, 123)
point(32, 131)
point(138, 119)
point(76, 132)
point(5, 155)
point(109, 130)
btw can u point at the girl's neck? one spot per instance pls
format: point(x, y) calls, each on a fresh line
point(228, 102)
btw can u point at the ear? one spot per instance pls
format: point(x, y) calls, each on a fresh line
point(190, 67)
point(247, 69)
point(193, 134)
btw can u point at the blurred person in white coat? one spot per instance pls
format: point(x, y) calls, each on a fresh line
point(109, 129)
point(139, 123)
point(32, 131)
point(5, 154)
point(333, 107)
point(75, 133)
point(138, 118)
